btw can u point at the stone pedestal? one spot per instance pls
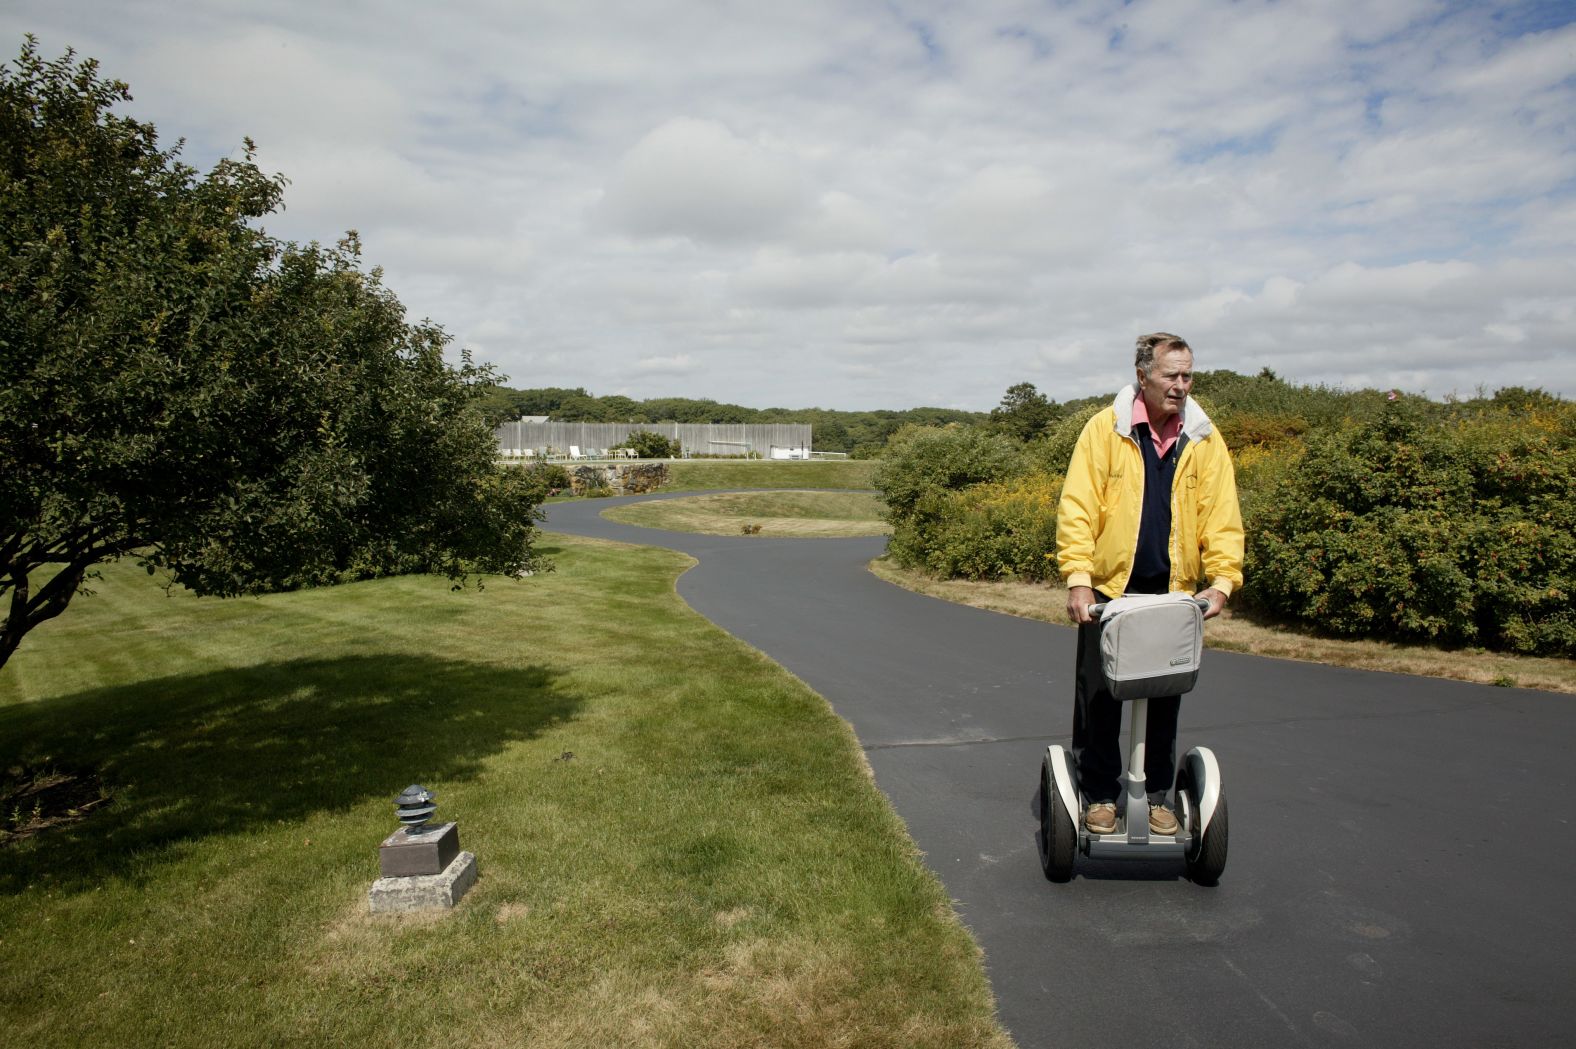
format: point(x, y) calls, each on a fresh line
point(429, 850)
point(424, 891)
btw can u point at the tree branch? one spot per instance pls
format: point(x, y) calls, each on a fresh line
point(14, 627)
point(12, 545)
point(28, 609)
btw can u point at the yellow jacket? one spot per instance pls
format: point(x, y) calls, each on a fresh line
point(1103, 498)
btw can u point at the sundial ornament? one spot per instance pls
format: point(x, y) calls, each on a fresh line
point(415, 807)
point(421, 864)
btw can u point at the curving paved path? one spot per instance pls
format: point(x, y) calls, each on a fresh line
point(1403, 865)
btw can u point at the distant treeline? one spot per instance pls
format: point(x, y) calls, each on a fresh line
point(860, 434)
point(1024, 412)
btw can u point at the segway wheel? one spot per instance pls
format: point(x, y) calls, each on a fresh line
point(1206, 860)
point(1058, 835)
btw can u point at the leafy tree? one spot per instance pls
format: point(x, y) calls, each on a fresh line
point(548, 400)
point(581, 409)
point(1024, 412)
point(830, 436)
point(243, 413)
point(619, 409)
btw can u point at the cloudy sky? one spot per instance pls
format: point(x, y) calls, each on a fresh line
point(884, 205)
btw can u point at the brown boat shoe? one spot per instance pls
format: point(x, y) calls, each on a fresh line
point(1162, 820)
point(1101, 818)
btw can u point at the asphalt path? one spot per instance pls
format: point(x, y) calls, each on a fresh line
point(1402, 868)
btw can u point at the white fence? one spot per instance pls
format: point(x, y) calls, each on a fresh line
point(551, 440)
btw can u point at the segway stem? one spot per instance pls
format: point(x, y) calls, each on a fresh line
point(1137, 796)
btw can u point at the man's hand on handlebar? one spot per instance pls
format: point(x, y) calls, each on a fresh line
point(1216, 599)
point(1079, 600)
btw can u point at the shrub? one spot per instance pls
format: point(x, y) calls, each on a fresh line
point(1406, 519)
point(1240, 402)
point(551, 478)
point(648, 445)
point(1245, 430)
point(1457, 531)
point(1052, 452)
point(1005, 529)
point(928, 460)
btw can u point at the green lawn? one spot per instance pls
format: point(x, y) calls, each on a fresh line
point(816, 514)
point(679, 843)
point(694, 475)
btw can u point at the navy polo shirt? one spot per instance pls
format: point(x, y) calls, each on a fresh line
point(1152, 563)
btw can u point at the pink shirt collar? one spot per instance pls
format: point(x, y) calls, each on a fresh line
point(1166, 434)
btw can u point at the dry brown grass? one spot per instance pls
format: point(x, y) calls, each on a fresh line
point(781, 514)
point(1238, 633)
point(762, 993)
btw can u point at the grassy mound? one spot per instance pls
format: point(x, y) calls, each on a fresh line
point(698, 475)
point(796, 514)
point(679, 843)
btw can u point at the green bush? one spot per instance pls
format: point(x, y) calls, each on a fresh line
point(1407, 519)
point(1453, 524)
point(926, 460)
point(648, 445)
point(551, 478)
point(988, 531)
point(1266, 394)
point(960, 504)
point(1053, 451)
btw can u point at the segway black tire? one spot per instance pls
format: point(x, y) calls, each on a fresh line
point(1206, 865)
point(1058, 835)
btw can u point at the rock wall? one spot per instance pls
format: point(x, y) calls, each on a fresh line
point(619, 478)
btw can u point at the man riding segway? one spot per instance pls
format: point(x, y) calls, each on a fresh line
point(1149, 507)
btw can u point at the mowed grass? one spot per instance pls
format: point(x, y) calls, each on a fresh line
point(1239, 633)
point(822, 514)
point(699, 475)
point(679, 843)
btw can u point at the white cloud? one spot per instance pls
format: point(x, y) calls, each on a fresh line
point(1055, 217)
point(789, 279)
point(1511, 333)
point(281, 84)
point(888, 205)
point(1206, 312)
point(841, 222)
point(1354, 285)
point(1541, 60)
point(679, 364)
point(695, 178)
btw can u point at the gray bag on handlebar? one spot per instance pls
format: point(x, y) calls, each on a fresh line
point(1151, 645)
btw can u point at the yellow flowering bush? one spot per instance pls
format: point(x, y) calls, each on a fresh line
point(998, 530)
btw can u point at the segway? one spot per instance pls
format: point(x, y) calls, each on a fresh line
point(1138, 666)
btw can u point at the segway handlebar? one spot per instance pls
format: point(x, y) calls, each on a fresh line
point(1098, 608)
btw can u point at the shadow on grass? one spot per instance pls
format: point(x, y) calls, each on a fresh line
point(229, 751)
